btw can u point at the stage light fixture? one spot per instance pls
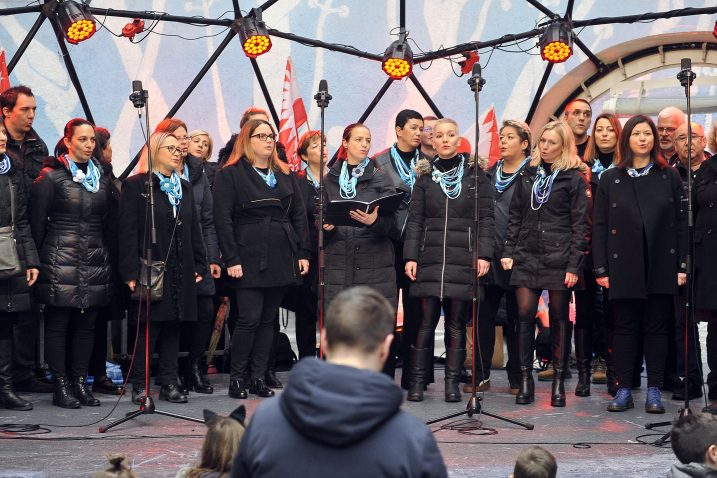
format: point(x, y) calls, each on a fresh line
point(253, 34)
point(76, 21)
point(398, 59)
point(556, 43)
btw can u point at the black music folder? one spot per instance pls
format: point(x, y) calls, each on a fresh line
point(338, 209)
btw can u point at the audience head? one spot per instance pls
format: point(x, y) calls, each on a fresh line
point(578, 115)
point(103, 147)
point(697, 144)
point(694, 439)
point(18, 106)
point(117, 468)
point(78, 140)
point(446, 138)
point(359, 328)
point(668, 120)
point(220, 443)
point(310, 148)
point(605, 136)
point(178, 129)
point(556, 146)
point(515, 139)
point(253, 113)
point(638, 138)
point(535, 462)
point(200, 144)
point(355, 143)
point(250, 146)
point(409, 127)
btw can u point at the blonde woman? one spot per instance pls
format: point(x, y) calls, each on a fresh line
point(201, 147)
point(547, 239)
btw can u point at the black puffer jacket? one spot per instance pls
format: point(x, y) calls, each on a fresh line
point(547, 243)
point(439, 233)
point(27, 156)
point(14, 292)
point(361, 255)
point(69, 225)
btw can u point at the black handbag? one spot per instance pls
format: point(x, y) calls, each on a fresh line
point(156, 274)
point(9, 260)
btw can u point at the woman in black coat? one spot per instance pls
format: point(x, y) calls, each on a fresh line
point(179, 244)
point(638, 253)
point(547, 240)
point(705, 202)
point(14, 291)
point(70, 220)
point(438, 252)
point(261, 224)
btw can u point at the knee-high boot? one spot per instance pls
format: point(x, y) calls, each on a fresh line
point(526, 352)
point(454, 363)
point(583, 356)
point(419, 360)
point(560, 331)
point(8, 399)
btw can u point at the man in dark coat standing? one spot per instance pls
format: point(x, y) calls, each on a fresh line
point(341, 417)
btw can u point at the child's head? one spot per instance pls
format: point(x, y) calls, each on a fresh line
point(694, 439)
point(220, 443)
point(117, 468)
point(535, 462)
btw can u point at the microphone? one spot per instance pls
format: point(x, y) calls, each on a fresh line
point(476, 81)
point(686, 64)
point(323, 97)
point(138, 95)
point(686, 75)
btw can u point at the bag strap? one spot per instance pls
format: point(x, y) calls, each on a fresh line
point(176, 221)
point(12, 201)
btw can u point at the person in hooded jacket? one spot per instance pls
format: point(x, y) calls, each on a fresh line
point(546, 243)
point(69, 219)
point(438, 251)
point(14, 291)
point(694, 441)
point(341, 417)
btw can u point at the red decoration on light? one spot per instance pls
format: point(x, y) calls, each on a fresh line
point(131, 29)
point(471, 58)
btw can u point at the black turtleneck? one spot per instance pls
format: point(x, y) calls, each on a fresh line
point(406, 156)
point(548, 167)
point(82, 166)
point(605, 158)
point(447, 164)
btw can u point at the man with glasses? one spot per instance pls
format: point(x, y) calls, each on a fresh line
point(427, 148)
point(578, 115)
point(668, 120)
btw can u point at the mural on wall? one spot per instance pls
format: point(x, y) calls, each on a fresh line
point(167, 59)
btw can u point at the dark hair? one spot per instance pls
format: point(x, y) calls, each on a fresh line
point(8, 98)
point(404, 115)
point(102, 136)
point(523, 131)
point(69, 130)
point(626, 154)
point(359, 318)
point(535, 462)
point(249, 112)
point(117, 468)
point(342, 154)
point(692, 435)
point(226, 151)
point(170, 125)
point(591, 151)
point(577, 100)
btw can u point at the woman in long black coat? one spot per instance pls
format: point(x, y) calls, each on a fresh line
point(439, 250)
point(261, 224)
point(705, 202)
point(179, 245)
point(547, 240)
point(14, 291)
point(70, 219)
point(638, 252)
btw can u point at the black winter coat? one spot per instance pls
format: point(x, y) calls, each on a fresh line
point(27, 156)
point(440, 235)
point(262, 229)
point(639, 232)
point(361, 255)
point(14, 292)
point(337, 421)
point(547, 243)
point(70, 228)
point(204, 210)
point(186, 257)
point(210, 169)
point(705, 208)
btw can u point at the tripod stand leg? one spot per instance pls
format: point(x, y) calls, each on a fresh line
point(527, 426)
point(127, 418)
point(181, 417)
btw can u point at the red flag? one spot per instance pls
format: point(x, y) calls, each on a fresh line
point(489, 143)
point(293, 116)
point(4, 77)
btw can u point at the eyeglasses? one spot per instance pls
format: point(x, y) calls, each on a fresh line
point(172, 149)
point(683, 139)
point(665, 130)
point(183, 138)
point(427, 129)
point(264, 136)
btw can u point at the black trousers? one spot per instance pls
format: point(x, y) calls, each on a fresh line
point(254, 330)
point(646, 322)
point(200, 331)
point(98, 356)
point(76, 326)
point(164, 337)
point(694, 350)
point(306, 316)
point(25, 333)
point(489, 306)
point(712, 356)
point(455, 314)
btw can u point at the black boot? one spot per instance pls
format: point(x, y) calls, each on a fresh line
point(272, 381)
point(583, 355)
point(237, 388)
point(196, 381)
point(62, 396)
point(82, 393)
point(8, 399)
point(560, 331)
point(526, 345)
point(419, 359)
point(258, 387)
point(454, 364)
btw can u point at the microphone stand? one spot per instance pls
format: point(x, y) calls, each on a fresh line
point(322, 101)
point(686, 76)
point(473, 407)
point(139, 98)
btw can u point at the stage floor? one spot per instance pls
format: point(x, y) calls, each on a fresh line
point(586, 440)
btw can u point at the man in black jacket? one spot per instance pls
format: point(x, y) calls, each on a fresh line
point(26, 151)
point(341, 417)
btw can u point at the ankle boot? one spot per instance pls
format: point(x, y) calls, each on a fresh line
point(62, 396)
point(583, 354)
point(526, 345)
point(8, 399)
point(560, 332)
point(418, 372)
point(454, 363)
point(82, 393)
point(196, 381)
